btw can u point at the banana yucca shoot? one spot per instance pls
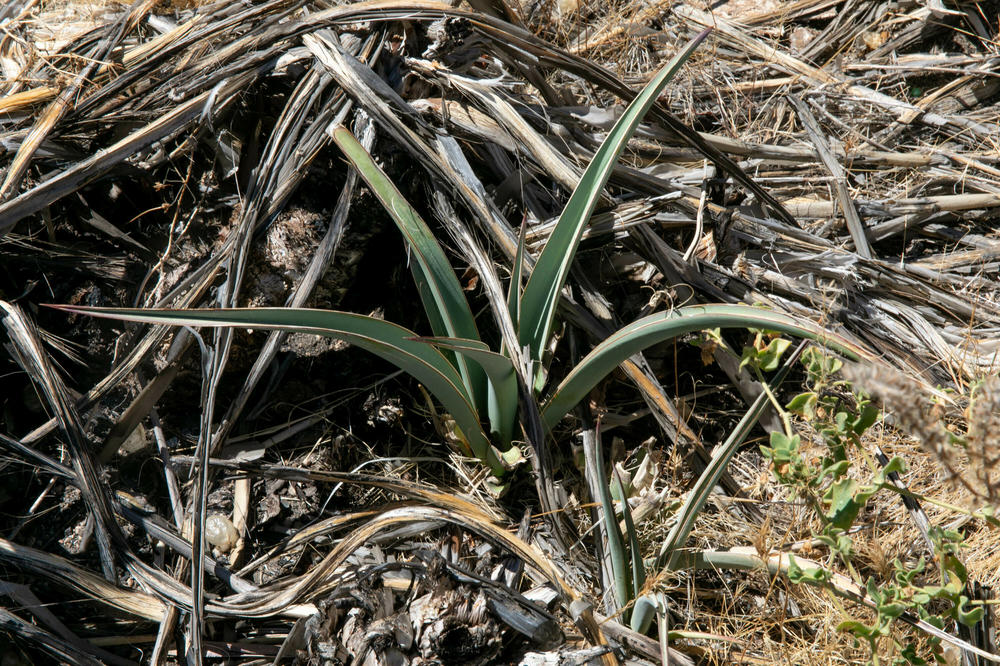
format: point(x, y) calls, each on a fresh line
point(472, 382)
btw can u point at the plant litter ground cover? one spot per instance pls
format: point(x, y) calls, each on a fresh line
point(500, 332)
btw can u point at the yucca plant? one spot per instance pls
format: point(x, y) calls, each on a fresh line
point(478, 387)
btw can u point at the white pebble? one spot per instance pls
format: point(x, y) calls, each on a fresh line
point(220, 532)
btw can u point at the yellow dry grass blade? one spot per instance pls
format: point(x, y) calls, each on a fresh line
point(94, 587)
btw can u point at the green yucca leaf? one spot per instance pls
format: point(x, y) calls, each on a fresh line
point(616, 544)
point(656, 328)
point(635, 554)
point(514, 289)
point(721, 455)
point(643, 613)
point(541, 293)
point(441, 293)
point(400, 346)
point(638, 615)
point(502, 376)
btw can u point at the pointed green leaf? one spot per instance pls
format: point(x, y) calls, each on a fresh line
point(501, 374)
point(656, 328)
point(441, 293)
point(514, 289)
point(616, 544)
point(721, 455)
point(635, 553)
point(541, 293)
point(394, 343)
